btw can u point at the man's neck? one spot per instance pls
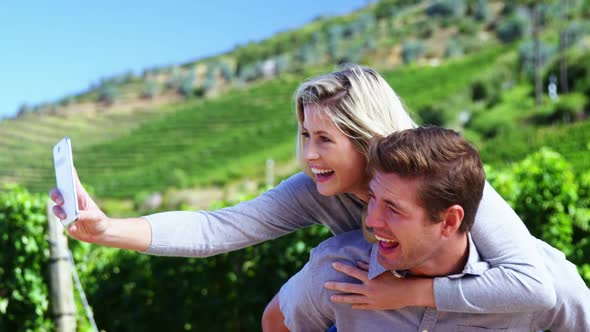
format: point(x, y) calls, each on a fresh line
point(450, 259)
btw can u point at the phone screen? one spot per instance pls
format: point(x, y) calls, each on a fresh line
point(64, 175)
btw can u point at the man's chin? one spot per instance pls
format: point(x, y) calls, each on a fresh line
point(389, 264)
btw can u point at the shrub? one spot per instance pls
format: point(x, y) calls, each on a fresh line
point(575, 31)
point(565, 109)
point(578, 72)
point(526, 54)
point(412, 50)
point(108, 93)
point(306, 54)
point(23, 109)
point(249, 72)
point(454, 48)
point(491, 124)
point(175, 79)
point(547, 197)
point(433, 115)
point(479, 91)
point(283, 62)
point(424, 29)
point(370, 43)
point(187, 84)
point(351, 55)
point(317, 38)
point(446, 8)
point(385, 9)
point(151, 88)
point(481, 10)
point(128, 77)
point(335, 33)
point(553, 204)
point(24, 258)
point(210, 78)
point(66, 101)
point(468, 26)
point(226, 71)
point(512, 28)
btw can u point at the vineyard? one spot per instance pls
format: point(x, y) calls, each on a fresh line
point(466, 65)
point(201, 142)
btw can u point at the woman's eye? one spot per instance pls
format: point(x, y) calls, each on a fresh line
point(325, 139)
point(306, 135)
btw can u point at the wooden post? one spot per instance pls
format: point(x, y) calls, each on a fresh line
point(62, 291)
point(270, 173)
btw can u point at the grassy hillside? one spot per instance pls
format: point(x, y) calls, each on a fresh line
point(199, 142)
point(572, 141)
point(209, 121)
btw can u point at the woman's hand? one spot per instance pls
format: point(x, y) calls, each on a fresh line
point(92, 223)
point(384, 292)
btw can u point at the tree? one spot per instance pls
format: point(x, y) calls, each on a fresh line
point(534, 7)
point(537, 47)
point(564, 41)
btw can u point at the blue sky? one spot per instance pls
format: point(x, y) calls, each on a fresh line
point(49, 49)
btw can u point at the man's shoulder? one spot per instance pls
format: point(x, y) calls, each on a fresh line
point(349, 246)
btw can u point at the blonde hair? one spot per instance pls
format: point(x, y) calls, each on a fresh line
point(358, 101)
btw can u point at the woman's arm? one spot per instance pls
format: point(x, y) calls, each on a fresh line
point(293, 204)
point(517, 280)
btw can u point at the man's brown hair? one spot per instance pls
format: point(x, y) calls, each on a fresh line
point(450, 169)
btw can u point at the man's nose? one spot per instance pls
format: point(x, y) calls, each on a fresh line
point(374, 217)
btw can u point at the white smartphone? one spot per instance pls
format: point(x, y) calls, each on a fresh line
point(64, 175)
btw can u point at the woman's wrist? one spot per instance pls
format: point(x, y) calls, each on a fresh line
point(127, 233)
point(423, 292)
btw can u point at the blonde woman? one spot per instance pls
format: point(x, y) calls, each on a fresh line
point(339, 113)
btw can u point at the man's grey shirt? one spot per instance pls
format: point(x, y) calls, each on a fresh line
point(306, 304)
point(502, 239)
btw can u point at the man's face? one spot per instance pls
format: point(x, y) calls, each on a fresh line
point(408, 240)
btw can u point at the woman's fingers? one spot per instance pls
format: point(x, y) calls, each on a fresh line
point(56, 196)
point(350, 299)
point(362, 265)
point(59, 212)
point(345, 287)
point(351, 271)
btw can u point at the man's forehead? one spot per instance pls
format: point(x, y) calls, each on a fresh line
point(391, 186)
point(382, 180)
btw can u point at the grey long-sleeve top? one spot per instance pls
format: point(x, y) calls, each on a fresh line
point(518, 276)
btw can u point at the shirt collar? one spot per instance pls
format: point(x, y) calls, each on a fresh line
point(474, 265)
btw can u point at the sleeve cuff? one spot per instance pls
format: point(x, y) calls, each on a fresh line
point(447, 296)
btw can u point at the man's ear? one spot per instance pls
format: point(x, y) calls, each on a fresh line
point(451, 220)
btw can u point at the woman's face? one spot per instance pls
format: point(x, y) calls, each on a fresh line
point(337, 165)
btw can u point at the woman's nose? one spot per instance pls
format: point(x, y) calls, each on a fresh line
point(310, 153)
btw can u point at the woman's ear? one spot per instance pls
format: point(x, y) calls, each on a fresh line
point(452, 218)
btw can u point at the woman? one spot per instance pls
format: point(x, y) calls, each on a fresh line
point(338, 114)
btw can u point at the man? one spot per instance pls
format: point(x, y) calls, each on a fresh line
point(425, 190)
